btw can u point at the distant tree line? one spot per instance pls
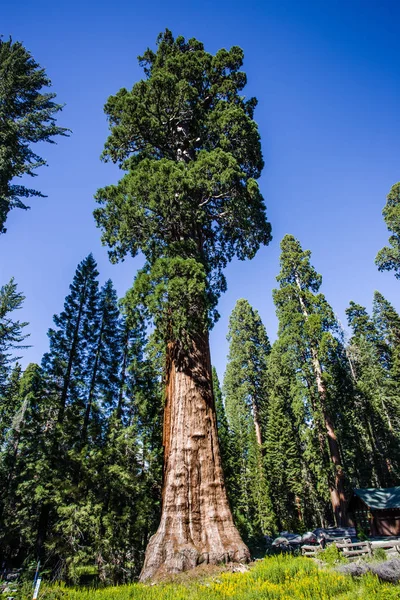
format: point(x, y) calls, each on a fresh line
point(80, 445)
point(307, 420)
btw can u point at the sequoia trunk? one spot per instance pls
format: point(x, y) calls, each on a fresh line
point(196, 521)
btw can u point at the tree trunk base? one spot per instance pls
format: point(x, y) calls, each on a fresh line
point(165, 555)
point(196, 522)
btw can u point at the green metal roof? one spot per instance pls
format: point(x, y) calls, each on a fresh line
point(380, 498)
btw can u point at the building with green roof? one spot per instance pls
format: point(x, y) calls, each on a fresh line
point(376, 511)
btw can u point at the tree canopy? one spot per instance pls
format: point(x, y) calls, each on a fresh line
point(27, 116)
point(189, 200)
point(388, 258)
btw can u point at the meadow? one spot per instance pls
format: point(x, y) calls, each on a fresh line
point(273, 578)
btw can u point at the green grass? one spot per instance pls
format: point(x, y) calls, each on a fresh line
point(275, 578)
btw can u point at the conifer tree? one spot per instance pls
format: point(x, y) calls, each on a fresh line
point(66, 365)
point(387, 323)
point(11, 331)
point(189, 202)
point(283, 445)
point(246, 398)
point(388, 258)
point(27, 116)
point(370, 360)
point(8, 401)
point(307, 324)
point(131, 457)
point(74, 338)
point(26, 473)
point(247, 363)
point(104, 358)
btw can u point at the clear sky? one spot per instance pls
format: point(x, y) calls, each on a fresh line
point(326, 73)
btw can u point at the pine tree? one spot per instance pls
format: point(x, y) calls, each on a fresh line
point(283, 444)
point(388, 258)
point(26, 474)
point(370, 358)
point(66, 365)
point(11, 331)
point(9, 401)
point(189, 202)
point(27, 116)
point(104, 358)
point(73, 340)
point(131, 460)
point(387, 322)
point(307, 325)
point(246, 398)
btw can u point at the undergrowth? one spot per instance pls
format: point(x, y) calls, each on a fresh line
point(274, 578)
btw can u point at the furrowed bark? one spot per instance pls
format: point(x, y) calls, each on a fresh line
point(196, 521)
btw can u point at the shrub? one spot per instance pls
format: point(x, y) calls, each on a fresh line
point(331, 555)
point(380, 554)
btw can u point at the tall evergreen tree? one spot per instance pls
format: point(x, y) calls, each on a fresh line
point(307, 325)
point(246, 398)
point(66, 365)
point(27, 116)
point(104, 358)
point(73, 340)
point(247, 363)
point(283, 445)
point(11, 331)
point(388, 258)
point(131, 457)
point(26, 472)
point(370, 358)
point(189, 202)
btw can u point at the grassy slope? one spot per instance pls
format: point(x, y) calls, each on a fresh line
point(283, 578)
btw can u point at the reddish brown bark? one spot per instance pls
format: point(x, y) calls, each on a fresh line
point(196, 521)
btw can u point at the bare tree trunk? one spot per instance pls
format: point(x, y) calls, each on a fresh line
point(196, 521)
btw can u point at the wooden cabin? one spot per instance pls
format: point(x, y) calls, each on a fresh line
point(376, 511)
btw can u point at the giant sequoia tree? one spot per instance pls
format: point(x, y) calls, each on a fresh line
point(189, 201)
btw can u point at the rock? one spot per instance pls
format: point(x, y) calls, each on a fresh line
point(388, 570)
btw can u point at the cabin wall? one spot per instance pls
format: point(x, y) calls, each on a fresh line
point(385, 522)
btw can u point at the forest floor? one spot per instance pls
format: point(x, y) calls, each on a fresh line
point(274, 578)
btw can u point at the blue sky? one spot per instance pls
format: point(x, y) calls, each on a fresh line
point(326, 74)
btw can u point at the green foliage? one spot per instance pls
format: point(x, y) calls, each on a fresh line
point(282, 443)
point(388, 258)
point(373, 353)
point(246, 401)
point(80, 446)
point(226, 440)
point(11, 335)
point(189, 200)
point(380, 554)
point(27, 115)
point(306, 335)
point(331, 555)
point(276, 578)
